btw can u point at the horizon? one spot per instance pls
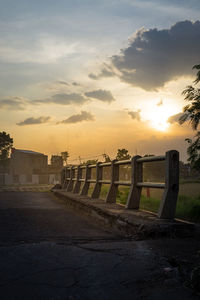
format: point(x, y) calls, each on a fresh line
point(93, 77)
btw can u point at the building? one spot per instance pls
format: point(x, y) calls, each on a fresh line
point(30, 167)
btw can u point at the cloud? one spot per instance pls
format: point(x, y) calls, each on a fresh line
point(64, 99)
point(76, 83)
point(155, 56)
point(34, 121)
point(102, 95)
point(83, 116)
point(13, 103)
point(135, 115)
point(62, 82)
point(105, 72)
point(175, 118)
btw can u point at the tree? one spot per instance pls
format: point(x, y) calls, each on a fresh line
point(90, 162)
point(106, 157)
point(122, 154)
point(6, 143)
point(194, 151)
point(192, 114)
point(65, 155)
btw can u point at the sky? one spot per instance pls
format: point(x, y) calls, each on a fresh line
point(93, 76)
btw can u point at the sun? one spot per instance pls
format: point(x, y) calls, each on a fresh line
point(161, 125)
point(159, 116)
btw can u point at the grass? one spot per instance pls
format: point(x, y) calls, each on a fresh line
point(188, 208)
point(185, 181)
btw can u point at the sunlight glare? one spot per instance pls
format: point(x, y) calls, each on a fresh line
point(159, 117)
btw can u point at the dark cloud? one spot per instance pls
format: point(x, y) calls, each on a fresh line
point(76, 83)
point(13, 103)
point(155, 57)
point(83, 116)
point(102, 95)
point(175, 118)
point(62, 82)
point(64, 99)
point(34, 121)
point(135, 115)
point(105, 72)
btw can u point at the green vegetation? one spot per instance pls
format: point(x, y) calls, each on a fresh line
point(122, 154)
point(106, 157)
point(6, 143)
point(192, 114)
point(65, 156)
point(188, 208)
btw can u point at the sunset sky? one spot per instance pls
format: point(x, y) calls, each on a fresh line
point(92, 76)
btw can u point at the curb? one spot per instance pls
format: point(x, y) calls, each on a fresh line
point(137, 224)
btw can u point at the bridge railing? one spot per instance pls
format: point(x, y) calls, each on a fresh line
point(72, 177)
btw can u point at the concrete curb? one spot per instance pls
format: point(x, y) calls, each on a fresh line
point(137, 224)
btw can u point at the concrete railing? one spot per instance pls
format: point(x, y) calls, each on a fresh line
point(72, 183)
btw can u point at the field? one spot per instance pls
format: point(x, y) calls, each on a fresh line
point(188, 205)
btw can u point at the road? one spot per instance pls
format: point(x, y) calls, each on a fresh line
point(49, 252)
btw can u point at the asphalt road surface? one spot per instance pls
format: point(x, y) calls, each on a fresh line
point(49, 252)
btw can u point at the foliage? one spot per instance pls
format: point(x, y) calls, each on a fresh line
point(6, 143)
point(106, 157)
point(188, 208)
point(194, 151)
point(56, 160)
point(192, 113)
point(90, 162)
point(192, 110)
point(122, 154)
point(65, 156)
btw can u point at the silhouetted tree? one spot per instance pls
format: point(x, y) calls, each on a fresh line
point(193, 151)
point(122, 154)
point(192, 114)
point(106, 157)
point(65, 156)
point(6, 143)
point(192, 110)
point(90, 162)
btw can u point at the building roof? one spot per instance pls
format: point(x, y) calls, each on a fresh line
point(28, 152)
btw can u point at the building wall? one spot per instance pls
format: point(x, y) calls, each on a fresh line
point(29, 167)
point(25, 163)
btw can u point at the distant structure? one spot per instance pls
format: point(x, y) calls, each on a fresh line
point(30, 167)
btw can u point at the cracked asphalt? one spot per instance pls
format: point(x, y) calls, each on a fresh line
point(50, 252)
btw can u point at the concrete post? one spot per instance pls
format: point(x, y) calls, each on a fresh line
point(168, 204)
point(77, 185)
point(66, 174)
point(97, 188)
point(62, 177)
point(112, 193)
point(71, 182)
point(86, 185)
point(133, 200)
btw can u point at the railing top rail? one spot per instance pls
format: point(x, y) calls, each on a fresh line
point(83, 167)
point(74, 167)
point(92, 166)
point(123, 162)
point(106, 164)
point(151, 158)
